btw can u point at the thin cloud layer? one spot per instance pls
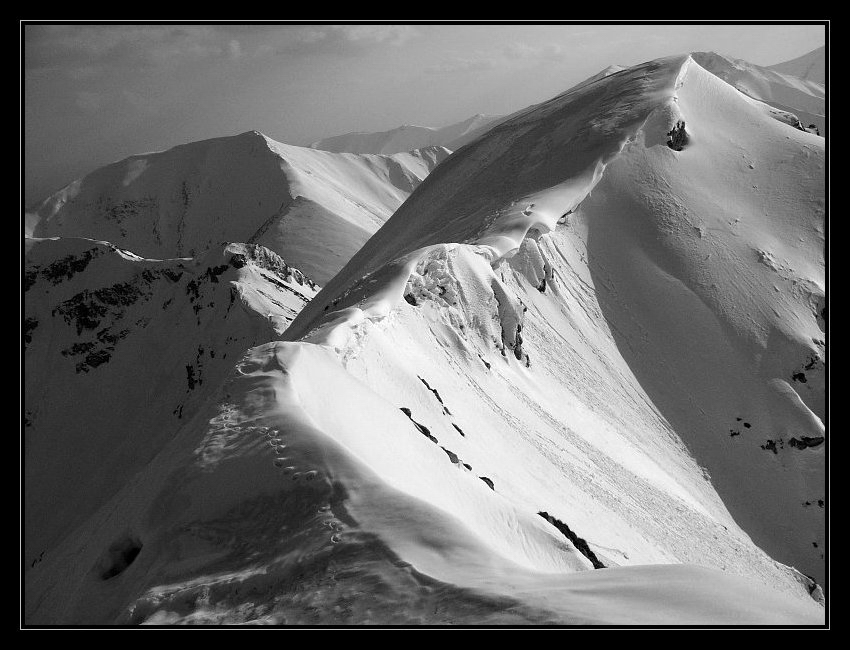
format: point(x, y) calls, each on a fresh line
point(542, 53)
point(86, 47)
point(84, 50)
point(508, 55)
point(336, 39)
point(462, 64)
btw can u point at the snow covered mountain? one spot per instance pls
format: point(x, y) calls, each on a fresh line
point(409, 137)
point(577, 377)
point(607, 72)
point(712, 302)
point(312, 207)
point(803, 94)
point(809, 67)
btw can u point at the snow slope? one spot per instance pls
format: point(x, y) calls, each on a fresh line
point(607, 72)
point(253, 514)
point(570, 348)
point(120, 351)
point(313, 208)
point(409, 137)
point(809, 67)
point(803, 96)
point(711, 299)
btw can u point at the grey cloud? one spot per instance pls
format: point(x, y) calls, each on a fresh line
point(338, 39)
point(461, 64)
point(547, 52)
point(507, 55)
point(89, 46)
point(87, 50)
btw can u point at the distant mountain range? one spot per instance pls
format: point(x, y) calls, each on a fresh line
point(809, 67)
point(409, 137)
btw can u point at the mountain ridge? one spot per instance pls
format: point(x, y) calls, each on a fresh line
point(559, 385)
point(502, 237)
point(409, 136)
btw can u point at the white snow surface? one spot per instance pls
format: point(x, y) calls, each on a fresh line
point(796, 87)
point(567, 317)
point(409, 136)
point(710, 301)
point(313, 208)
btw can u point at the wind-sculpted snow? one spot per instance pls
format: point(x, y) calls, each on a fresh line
point(312, 207)
point(537, 168)
point(540, 393)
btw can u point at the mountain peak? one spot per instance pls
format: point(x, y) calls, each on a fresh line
point(253, 133)
point(594, 170)
point(313, 207)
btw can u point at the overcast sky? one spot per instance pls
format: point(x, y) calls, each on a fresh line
point(96, 94)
